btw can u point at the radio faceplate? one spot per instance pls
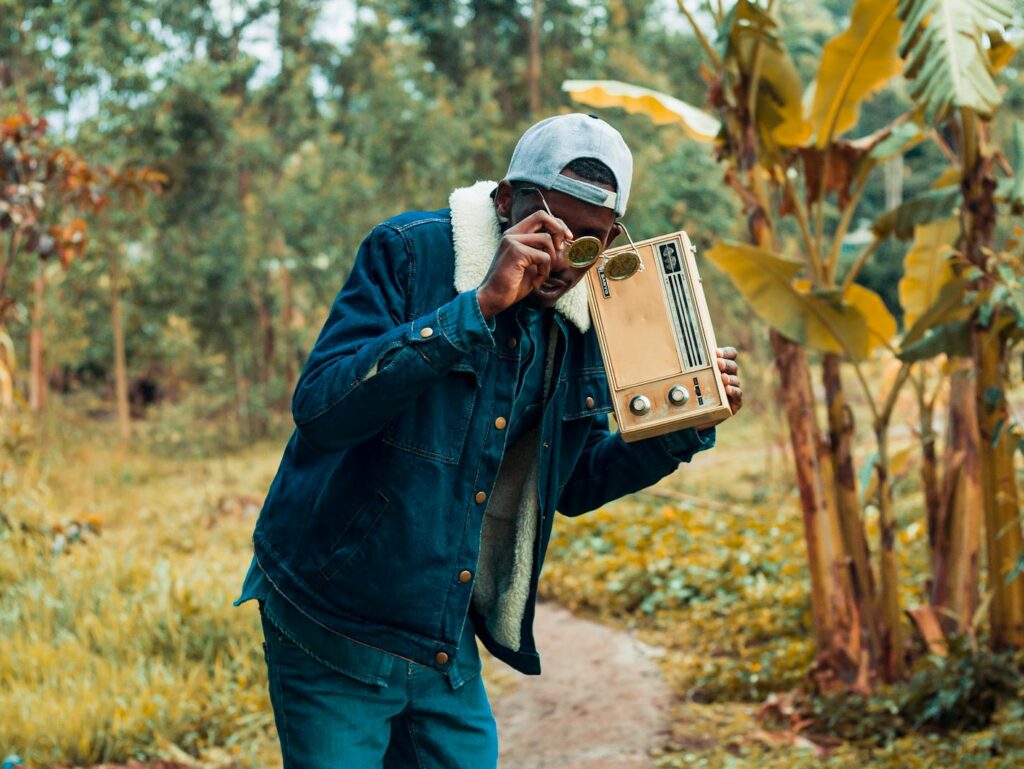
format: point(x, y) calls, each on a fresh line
point(657, 341)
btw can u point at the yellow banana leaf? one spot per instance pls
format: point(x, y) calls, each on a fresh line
point(661, 108)
point(881, 323)
point(854, 65)
point(926, 267)
point(753, 44)
point(1000, 51)
point(766, 281)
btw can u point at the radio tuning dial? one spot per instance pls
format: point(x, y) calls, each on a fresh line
point(678, 396)
point(640, 405)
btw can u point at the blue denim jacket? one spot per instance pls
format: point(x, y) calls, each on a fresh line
point(376, 508)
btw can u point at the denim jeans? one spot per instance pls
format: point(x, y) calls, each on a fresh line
point(328, 720)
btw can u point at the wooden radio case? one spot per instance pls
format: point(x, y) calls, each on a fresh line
point(657, 341)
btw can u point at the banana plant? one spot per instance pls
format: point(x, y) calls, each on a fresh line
point(789, 160)
point(953, 51)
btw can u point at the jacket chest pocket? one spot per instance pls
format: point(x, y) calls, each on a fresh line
point(436, 423)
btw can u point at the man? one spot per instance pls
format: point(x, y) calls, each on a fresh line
point(453, 401)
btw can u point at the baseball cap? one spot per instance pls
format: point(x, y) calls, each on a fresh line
point(550, 145)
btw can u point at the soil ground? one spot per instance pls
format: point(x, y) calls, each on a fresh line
point(599, 704)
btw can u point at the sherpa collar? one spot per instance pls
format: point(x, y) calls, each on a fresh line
point(476, 234)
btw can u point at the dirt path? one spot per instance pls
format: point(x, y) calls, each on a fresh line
point(600, 703)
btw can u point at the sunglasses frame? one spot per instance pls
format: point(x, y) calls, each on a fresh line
point(589, 243)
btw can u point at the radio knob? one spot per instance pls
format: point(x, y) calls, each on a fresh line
point(678, 396)
point(640, 405)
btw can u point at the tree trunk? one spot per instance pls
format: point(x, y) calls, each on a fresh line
point(930, 474)
point(957, 551)
point(840, 444)
point(1004, 544)
point(841, 660)
point(287, 334)
point(120, 360)
point(533, 69)
point(890, 631)
point(37, 375)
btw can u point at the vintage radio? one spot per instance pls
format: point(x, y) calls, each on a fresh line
point(656, 338)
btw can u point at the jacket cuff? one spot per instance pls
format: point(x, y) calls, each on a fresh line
point(683, 444)
point(447, 335)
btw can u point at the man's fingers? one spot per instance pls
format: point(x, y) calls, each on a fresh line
point(728, 353)
point(539, 265)
point(538, 240)
point(728, 366)
point(730, 380)
point(542, 221)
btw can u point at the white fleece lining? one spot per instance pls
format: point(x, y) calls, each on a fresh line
point(476, 233)
point(507, 535)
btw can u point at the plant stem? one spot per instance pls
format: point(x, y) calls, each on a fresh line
point(801, 218)
point(859, 262)
point(844, 223)
point(699, 34)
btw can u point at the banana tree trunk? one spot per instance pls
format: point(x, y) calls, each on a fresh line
point(842, 659)
point(890, 631)
point(957, 550)
point(1004, 543)
point(840, 443)
point(930, 474)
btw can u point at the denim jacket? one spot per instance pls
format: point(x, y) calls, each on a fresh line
point(372, 525)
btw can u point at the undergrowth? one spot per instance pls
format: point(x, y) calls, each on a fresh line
point(723, 587)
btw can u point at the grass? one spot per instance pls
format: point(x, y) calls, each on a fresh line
point(123, 644)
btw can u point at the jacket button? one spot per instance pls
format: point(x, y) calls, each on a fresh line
point(500, 423)
point(426, 332)
point(480, 497)
point(512, 342)
point(590, 402)
point(465, 576)
point(442, 658)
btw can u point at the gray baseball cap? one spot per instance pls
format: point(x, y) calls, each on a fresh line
point(550, 145)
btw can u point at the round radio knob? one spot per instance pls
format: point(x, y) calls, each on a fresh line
point(640, 405)
point(678, 396)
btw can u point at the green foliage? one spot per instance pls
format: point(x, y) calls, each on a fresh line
point(961, 691)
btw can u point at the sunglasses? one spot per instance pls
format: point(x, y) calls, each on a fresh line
point(585, 250)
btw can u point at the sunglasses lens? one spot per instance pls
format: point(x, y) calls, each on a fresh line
point(622, 266)
point(583, 251)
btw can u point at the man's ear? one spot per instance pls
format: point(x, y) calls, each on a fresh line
point(613, 233)
point(503, 196)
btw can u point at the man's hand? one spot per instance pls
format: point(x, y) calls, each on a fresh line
point(525, 258)
point(730, 376)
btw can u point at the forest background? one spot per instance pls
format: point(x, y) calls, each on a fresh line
point(195, 181)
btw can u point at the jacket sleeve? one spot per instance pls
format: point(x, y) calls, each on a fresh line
point(610, 468)
point(368, 362)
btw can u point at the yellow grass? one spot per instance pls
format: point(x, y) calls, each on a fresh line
point(125, 644)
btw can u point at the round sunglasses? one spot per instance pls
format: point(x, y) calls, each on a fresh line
point(585, 250)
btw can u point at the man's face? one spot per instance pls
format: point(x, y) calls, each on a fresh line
point(581, 218)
